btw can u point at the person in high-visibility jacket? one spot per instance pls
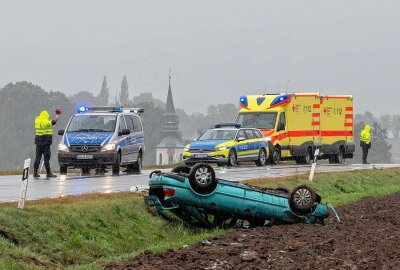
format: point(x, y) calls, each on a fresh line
point(365, 142)
point(43, 140)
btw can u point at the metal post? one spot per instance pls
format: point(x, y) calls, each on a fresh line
point(314, 165)
point(24, 184)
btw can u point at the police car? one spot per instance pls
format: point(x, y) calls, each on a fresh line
point(102, 137)
point(228, 144)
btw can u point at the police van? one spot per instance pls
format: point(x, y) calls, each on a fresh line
point(102, 137)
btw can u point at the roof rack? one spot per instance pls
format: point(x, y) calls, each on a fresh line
point(235, 125)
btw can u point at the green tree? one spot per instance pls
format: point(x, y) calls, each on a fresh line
point(20, 103)
point(124, 94)
point(396, 126)
point(103, 98)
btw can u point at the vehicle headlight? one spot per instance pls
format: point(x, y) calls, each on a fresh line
point(268, 139)
point(108, 147)
point(62, 148)
point(223, 148)
point(186, 149)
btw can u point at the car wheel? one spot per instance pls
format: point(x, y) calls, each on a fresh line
point(138, 165)
point(181, 169)
point(332, 159)
point(308, 158)
point(276, 155)
point(302, 199)
point(202, 178)
point(262, 158)
point(85, 171)
point(232, 158)
point(340, 156)
point(117, 165)
point(63, 170)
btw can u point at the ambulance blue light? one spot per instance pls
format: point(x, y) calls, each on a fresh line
point(117, 109)
point(280, 99)
point(260, 100)
point(243, 101)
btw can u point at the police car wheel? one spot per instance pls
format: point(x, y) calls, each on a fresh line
point(202, 178)
point(137, 166)
point(85, 171)
point(262, 158)
point(63, 170)
point(232, 158)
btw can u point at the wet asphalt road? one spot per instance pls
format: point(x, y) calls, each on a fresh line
point(76, 184)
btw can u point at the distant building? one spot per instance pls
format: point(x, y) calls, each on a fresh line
point(169, 151)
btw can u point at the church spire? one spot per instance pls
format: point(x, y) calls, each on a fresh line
point(170, 107)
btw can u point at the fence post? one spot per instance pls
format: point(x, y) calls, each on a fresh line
point(24, 184)
point(314, 165)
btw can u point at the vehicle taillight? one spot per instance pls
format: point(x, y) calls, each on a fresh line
point(169, 192)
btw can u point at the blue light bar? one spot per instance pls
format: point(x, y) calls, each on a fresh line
point(82, 109)
point(220, 125)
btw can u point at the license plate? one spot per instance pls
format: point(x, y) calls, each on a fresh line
point(84, 157)
point(200, 155)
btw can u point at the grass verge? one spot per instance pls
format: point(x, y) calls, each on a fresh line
point(341, 187)
point(88, 231)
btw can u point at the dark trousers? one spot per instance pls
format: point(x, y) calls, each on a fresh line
point(365, 149)
point(45, 151)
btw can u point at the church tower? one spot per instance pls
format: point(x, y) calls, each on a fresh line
point(169, 151)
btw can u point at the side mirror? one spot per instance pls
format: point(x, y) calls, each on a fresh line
point(124, 132)
point(240, 139)
point(281, 126)
point(61, 132)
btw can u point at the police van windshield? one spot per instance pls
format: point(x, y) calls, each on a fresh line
point(218, 135)
point(92, 123)
point(263, 120)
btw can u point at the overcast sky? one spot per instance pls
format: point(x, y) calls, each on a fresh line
point(218, 50)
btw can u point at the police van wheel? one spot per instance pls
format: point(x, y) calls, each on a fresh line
point(262, 158)
point(63, 170)
point(117, 165)
point(85, 171)
point(202, 178)
point(137, 166)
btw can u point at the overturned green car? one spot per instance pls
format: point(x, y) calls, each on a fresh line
point(198, 197)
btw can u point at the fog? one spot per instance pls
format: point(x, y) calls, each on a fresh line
point(217, 50)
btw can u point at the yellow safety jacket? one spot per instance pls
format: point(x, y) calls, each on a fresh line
point(366, 135)
point(43, 124)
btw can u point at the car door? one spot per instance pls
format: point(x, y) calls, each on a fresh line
point(129, 141)
point(282, 135)
point(137, 137)
point(253, 144)
point(122, 140)
point(242, 146)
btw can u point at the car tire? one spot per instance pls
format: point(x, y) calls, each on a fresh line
point(232, 158)
point(302, 199)
point(276, 155)
point(117, 165)
point(202, 178)
point(63, 170)
point(182, 169)
point(138, 165)
point(308, 158)
point(85, 171)
point(262, 158)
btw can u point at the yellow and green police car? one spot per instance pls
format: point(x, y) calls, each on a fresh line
point(228, 144)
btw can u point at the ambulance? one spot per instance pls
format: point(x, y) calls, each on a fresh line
point(297, 124)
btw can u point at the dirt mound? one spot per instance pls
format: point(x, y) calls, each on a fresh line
point(367, 238)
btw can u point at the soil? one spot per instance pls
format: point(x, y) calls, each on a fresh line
point(367, 238)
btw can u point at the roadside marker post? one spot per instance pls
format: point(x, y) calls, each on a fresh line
point(314, 165)
point(41, 166)
point(24, 184)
